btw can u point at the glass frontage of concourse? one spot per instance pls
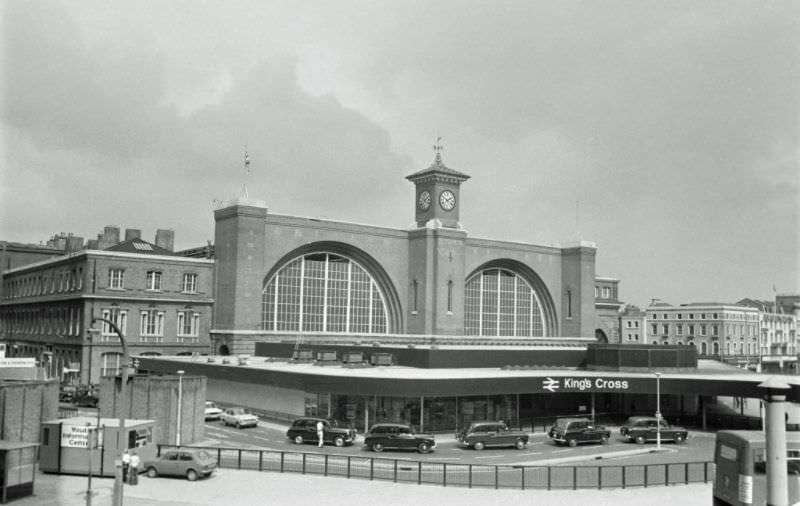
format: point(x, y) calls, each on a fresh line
point(533, 412)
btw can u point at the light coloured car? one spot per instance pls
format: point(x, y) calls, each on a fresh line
point(213, 412)
point(238, 417)
point(190, 462)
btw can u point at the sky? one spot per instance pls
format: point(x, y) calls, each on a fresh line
point(664, 132)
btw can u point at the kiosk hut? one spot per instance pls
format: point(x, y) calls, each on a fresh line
point(72, 445)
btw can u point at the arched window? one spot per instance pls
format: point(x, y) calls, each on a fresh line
point(323, 292)
point(715, 348)
point(500, 303)
point(703, 348)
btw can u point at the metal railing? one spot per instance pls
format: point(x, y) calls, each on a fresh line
point(461, 475)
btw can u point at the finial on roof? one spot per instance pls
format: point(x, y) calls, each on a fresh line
point(438, 149)
point(247, 170)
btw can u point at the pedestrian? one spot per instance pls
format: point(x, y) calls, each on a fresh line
point(320, 432)
point(134, 469)
point(126, 462)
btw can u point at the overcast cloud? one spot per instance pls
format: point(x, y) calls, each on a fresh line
point(665, 132)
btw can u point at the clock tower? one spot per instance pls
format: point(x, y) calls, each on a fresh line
point(437, 193)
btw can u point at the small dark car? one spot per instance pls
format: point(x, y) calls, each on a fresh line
point(304, 430)
point(86, 396)
point(573, 431)
point(190, 462)
point(641, 429)
point(479, 435)
point(397, 436)
point(66, 393)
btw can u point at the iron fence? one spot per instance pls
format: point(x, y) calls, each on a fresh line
point(461, 475)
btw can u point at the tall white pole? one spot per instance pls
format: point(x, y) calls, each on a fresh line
point(180, 407)
point(658, 411)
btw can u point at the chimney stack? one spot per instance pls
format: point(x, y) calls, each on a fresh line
point(165, 239)
point(132, 233)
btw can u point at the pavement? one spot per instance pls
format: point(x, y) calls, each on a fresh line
point(244, 488)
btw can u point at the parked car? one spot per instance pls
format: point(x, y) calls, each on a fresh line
point(238, 417)
point(304, 430)
point(213, 412)
point(190, 462)
point(66, 393)
point(86, 395)
point(573, 431)
point(642, 429)
point(479, 435)
point(398, 437)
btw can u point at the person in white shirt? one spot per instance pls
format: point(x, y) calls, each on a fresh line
point(126, 463)
point(134, 469)
point(320, 432)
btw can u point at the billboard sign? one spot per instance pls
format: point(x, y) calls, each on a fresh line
point(78, 436)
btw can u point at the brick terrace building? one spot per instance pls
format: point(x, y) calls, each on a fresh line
point(161, 302)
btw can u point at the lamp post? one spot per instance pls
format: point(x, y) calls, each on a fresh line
point(180, 407)
point(658, 411)
point(122, 440)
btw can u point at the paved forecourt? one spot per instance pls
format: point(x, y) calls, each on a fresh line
point(239, 488)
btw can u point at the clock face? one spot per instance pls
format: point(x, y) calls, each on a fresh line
point(447, 200)
point(425, 200)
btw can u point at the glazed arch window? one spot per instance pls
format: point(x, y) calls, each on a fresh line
point(323, 292)
point(498, 302)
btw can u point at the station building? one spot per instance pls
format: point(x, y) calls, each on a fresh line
point(428, 326)
point(299, 279)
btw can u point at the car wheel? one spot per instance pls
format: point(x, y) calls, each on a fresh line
point(377, 447)
point(238, 425)
point(572, 443)
point(424, 448)
point(298, 439)
point(191, 475)
point(478, 445)
point(338, 441)
point(678, 439)
point(640, 440)
point(152, 472)
point(604, 439)
point(519, 444)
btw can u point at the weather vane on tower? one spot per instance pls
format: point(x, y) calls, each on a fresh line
point(438, 149)
point(247, 170)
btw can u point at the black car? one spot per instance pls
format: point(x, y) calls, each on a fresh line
point(397, 436)
point(304, 430)
point(641, 429)
point(86, 396)
point(572, 431)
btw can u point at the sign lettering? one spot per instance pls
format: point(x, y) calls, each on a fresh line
point(584, 384)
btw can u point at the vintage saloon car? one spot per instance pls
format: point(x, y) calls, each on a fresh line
point(190, 462)
point(479, 435)
point(573, 431)
point(238, 417)
point(398, 437)
point(304, 430)
point(641, 429)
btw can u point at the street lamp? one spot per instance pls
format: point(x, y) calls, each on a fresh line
point(658, 411)
point(180, 405)
point(116, 499)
